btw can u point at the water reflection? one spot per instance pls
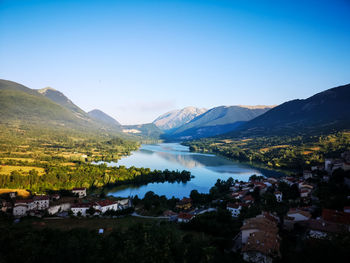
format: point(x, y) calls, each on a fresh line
point(206, 168)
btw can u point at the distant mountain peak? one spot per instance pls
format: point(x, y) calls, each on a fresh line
point(103, 117)
point(176, 118)
point(44, 90)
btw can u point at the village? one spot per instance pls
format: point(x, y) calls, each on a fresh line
point(259, 238)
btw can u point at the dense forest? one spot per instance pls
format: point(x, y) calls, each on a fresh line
point(285, 152)
point(58, 177)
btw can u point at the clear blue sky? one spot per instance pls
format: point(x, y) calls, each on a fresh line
point(137, 59)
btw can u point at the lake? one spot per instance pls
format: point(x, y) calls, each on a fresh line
point(206, 168)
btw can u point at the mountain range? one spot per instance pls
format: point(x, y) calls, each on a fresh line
point(218, 120)
point(323, 112)
point(176, 118)
point(50, 109)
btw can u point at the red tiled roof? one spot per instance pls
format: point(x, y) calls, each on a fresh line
point(106, 202)
point(248, 198)
point(323, 226)
point(185, 216)
point(261, 223)
point(235, 206)
point(267, 243)
point(169, 213)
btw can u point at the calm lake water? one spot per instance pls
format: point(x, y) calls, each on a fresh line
point(206, 168)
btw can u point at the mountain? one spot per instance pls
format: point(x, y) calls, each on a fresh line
point(47, 109)
point(326, 111)
point(176, 118)
point(103, 117)
point(217, 120)
point(61, 99)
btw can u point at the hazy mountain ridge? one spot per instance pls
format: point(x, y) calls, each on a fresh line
point(217, 120)
point(103, 117)
point(176, 118)
point(325, 111)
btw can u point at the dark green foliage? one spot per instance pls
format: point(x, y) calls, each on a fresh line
point(139, 243)
point(287, 152)
point(89, 175)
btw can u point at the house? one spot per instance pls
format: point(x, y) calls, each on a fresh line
point(29, 203)
point(320, 229)
point(279, 196)
point(262, 187)
point(289, 180)
point(22, 207)
point(248, 199)
point(20, 210)
point(261, 247)
point(81, 192)
point(293, 216)
point(42, 202)
point(272, 180)
point(256, 224)
point(106, 205)
point(260, 240)
point(124, 203)
point(235, 209)
point(171, 215)
point(80, 209)
point(5, 206)
point(55, 197)
point(333, 164)
point(55, 209)
point(305, 193)
point(184, 217)
point(12, 194)
point(307, 174)
point(184, 204)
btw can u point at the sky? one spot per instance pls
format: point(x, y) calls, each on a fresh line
point(136, 60)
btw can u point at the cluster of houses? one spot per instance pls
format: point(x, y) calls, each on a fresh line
point(259, 241)
point(41, 205)
point(241, 192)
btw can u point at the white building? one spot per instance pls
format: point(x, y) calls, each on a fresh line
point(28, 203)
point(106, 205)
point(235, 209)
point(20, 210)
point(80, 209)
point(59, 208)
point(279, 196)
point(184, 217)
point(124, 203)
point(42, 202)
point(81, 192)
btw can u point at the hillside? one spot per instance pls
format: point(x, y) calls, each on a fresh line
point(61, 99)
point(24, 109)
point(176, 118)
point(104, 118)
point(21, 104)
point(217, 120)
point(326, 111)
